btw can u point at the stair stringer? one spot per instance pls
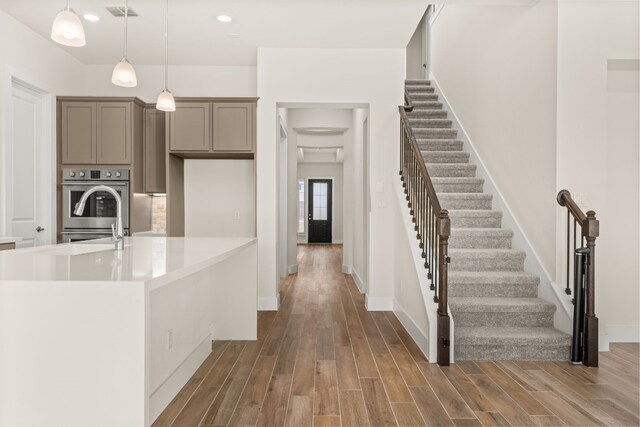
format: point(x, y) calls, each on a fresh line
point(547, 289)
point(431, 308)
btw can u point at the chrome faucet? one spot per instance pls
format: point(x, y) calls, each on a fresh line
point(116, 229)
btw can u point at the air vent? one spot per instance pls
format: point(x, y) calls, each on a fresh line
point(118, 11)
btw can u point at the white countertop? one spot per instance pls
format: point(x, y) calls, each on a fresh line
point(144, 259)
point(4, 240)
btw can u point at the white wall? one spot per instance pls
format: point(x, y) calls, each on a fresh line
point(597, 147)
point(497, 67)
point(308, 171)
point(370, 76)
point(39, 62)
point(184, 81)
point(219, 198)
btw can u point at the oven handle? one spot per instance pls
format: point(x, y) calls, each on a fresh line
point(92, 232)
point(93, 184)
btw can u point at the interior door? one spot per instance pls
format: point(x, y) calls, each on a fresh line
point(28, 165)
point(320, 210)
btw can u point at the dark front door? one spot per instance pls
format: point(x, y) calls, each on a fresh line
point(320, 211)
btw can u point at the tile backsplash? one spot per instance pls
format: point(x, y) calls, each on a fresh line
point(159, 213)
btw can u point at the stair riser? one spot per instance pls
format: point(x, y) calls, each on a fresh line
point(428, 105)
point(430, 123)
point(475, 187)
point(449, 157)
point(491, 262)
point(467, 204)
point(510, 319)
point(427, 114)
point(510, 290)
point(440, 146)
point(436, 133)
point(480, 242)
point(476, 222)
point(444, 172)
point(509, 352)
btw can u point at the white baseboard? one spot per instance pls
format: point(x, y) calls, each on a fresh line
point(268, 304)
point(378, 304)
point(603, 342)
point(418, 336)
point(359, 281)
point(292, 269)
point(623, 333)
point(337, 241)
point(346, 269)
point(162, 396)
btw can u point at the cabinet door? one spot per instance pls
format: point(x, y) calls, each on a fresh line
point(233, 127)
point(114, 133)
point(154, 151)
point(78, 132)
point(190, 127)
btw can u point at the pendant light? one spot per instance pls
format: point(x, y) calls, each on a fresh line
point(165, 99)
point(67, 29)
point(123, 74)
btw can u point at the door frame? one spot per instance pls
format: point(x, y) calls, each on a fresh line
point(10, 79)
point(306, 204)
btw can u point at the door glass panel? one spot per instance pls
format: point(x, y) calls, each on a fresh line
point(320, 205)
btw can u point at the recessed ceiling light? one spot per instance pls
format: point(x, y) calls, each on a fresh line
point(233, 34)
point(224, 17)
point(91, 17)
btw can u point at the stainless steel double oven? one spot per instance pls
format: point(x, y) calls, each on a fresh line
point(101, 208)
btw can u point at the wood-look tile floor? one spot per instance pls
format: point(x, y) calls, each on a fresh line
point(324, 360)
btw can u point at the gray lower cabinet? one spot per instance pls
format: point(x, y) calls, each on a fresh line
point(96, 132)
point(154, 151)
point(191, 127)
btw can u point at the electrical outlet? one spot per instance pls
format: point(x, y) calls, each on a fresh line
point(236, 216)
point(169, 339)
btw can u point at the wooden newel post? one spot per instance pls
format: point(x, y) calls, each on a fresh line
point(444, 323)
point(591, 230)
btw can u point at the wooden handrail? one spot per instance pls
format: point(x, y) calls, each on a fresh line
point(431, 223)
point(590, 230)
point(408, 105)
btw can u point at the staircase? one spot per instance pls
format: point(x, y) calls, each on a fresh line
point(493, 301)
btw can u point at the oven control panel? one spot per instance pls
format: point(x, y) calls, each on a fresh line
point(95, 175)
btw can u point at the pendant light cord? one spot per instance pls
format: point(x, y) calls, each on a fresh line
point(126, 17)
point(166, 65)
point(68, 6)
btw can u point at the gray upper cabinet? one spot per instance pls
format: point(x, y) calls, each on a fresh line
point(154, 156)
point(78, 132)
point(114, 133)
point(233, 128)
point(190, 127)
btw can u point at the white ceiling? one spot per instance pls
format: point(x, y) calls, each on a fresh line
point(197, 38)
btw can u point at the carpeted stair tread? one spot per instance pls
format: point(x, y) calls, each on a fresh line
point(480, 238)
point(411, 89)
point(511, 336)
point(426, 113)
point(500, 305)
point(427, 144)
point(445, 156)
point(427, 105)
point(486, 259)
point(418, 123)
point(486, 277)
point(417, 82)
point(509, 284)
point(457, 184)
point(465, 201)
point(422, 96)
point(444, 170)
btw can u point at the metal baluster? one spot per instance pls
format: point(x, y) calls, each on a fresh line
point(568, 288)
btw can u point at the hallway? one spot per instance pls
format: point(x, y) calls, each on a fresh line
point(324, 360)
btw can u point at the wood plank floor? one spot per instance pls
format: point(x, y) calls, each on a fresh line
point(324, 360)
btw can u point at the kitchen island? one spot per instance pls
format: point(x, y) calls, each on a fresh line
point(91, 336)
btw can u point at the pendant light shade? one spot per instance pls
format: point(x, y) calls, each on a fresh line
point(123, 74)
point(165, 101)
point(67, 29)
